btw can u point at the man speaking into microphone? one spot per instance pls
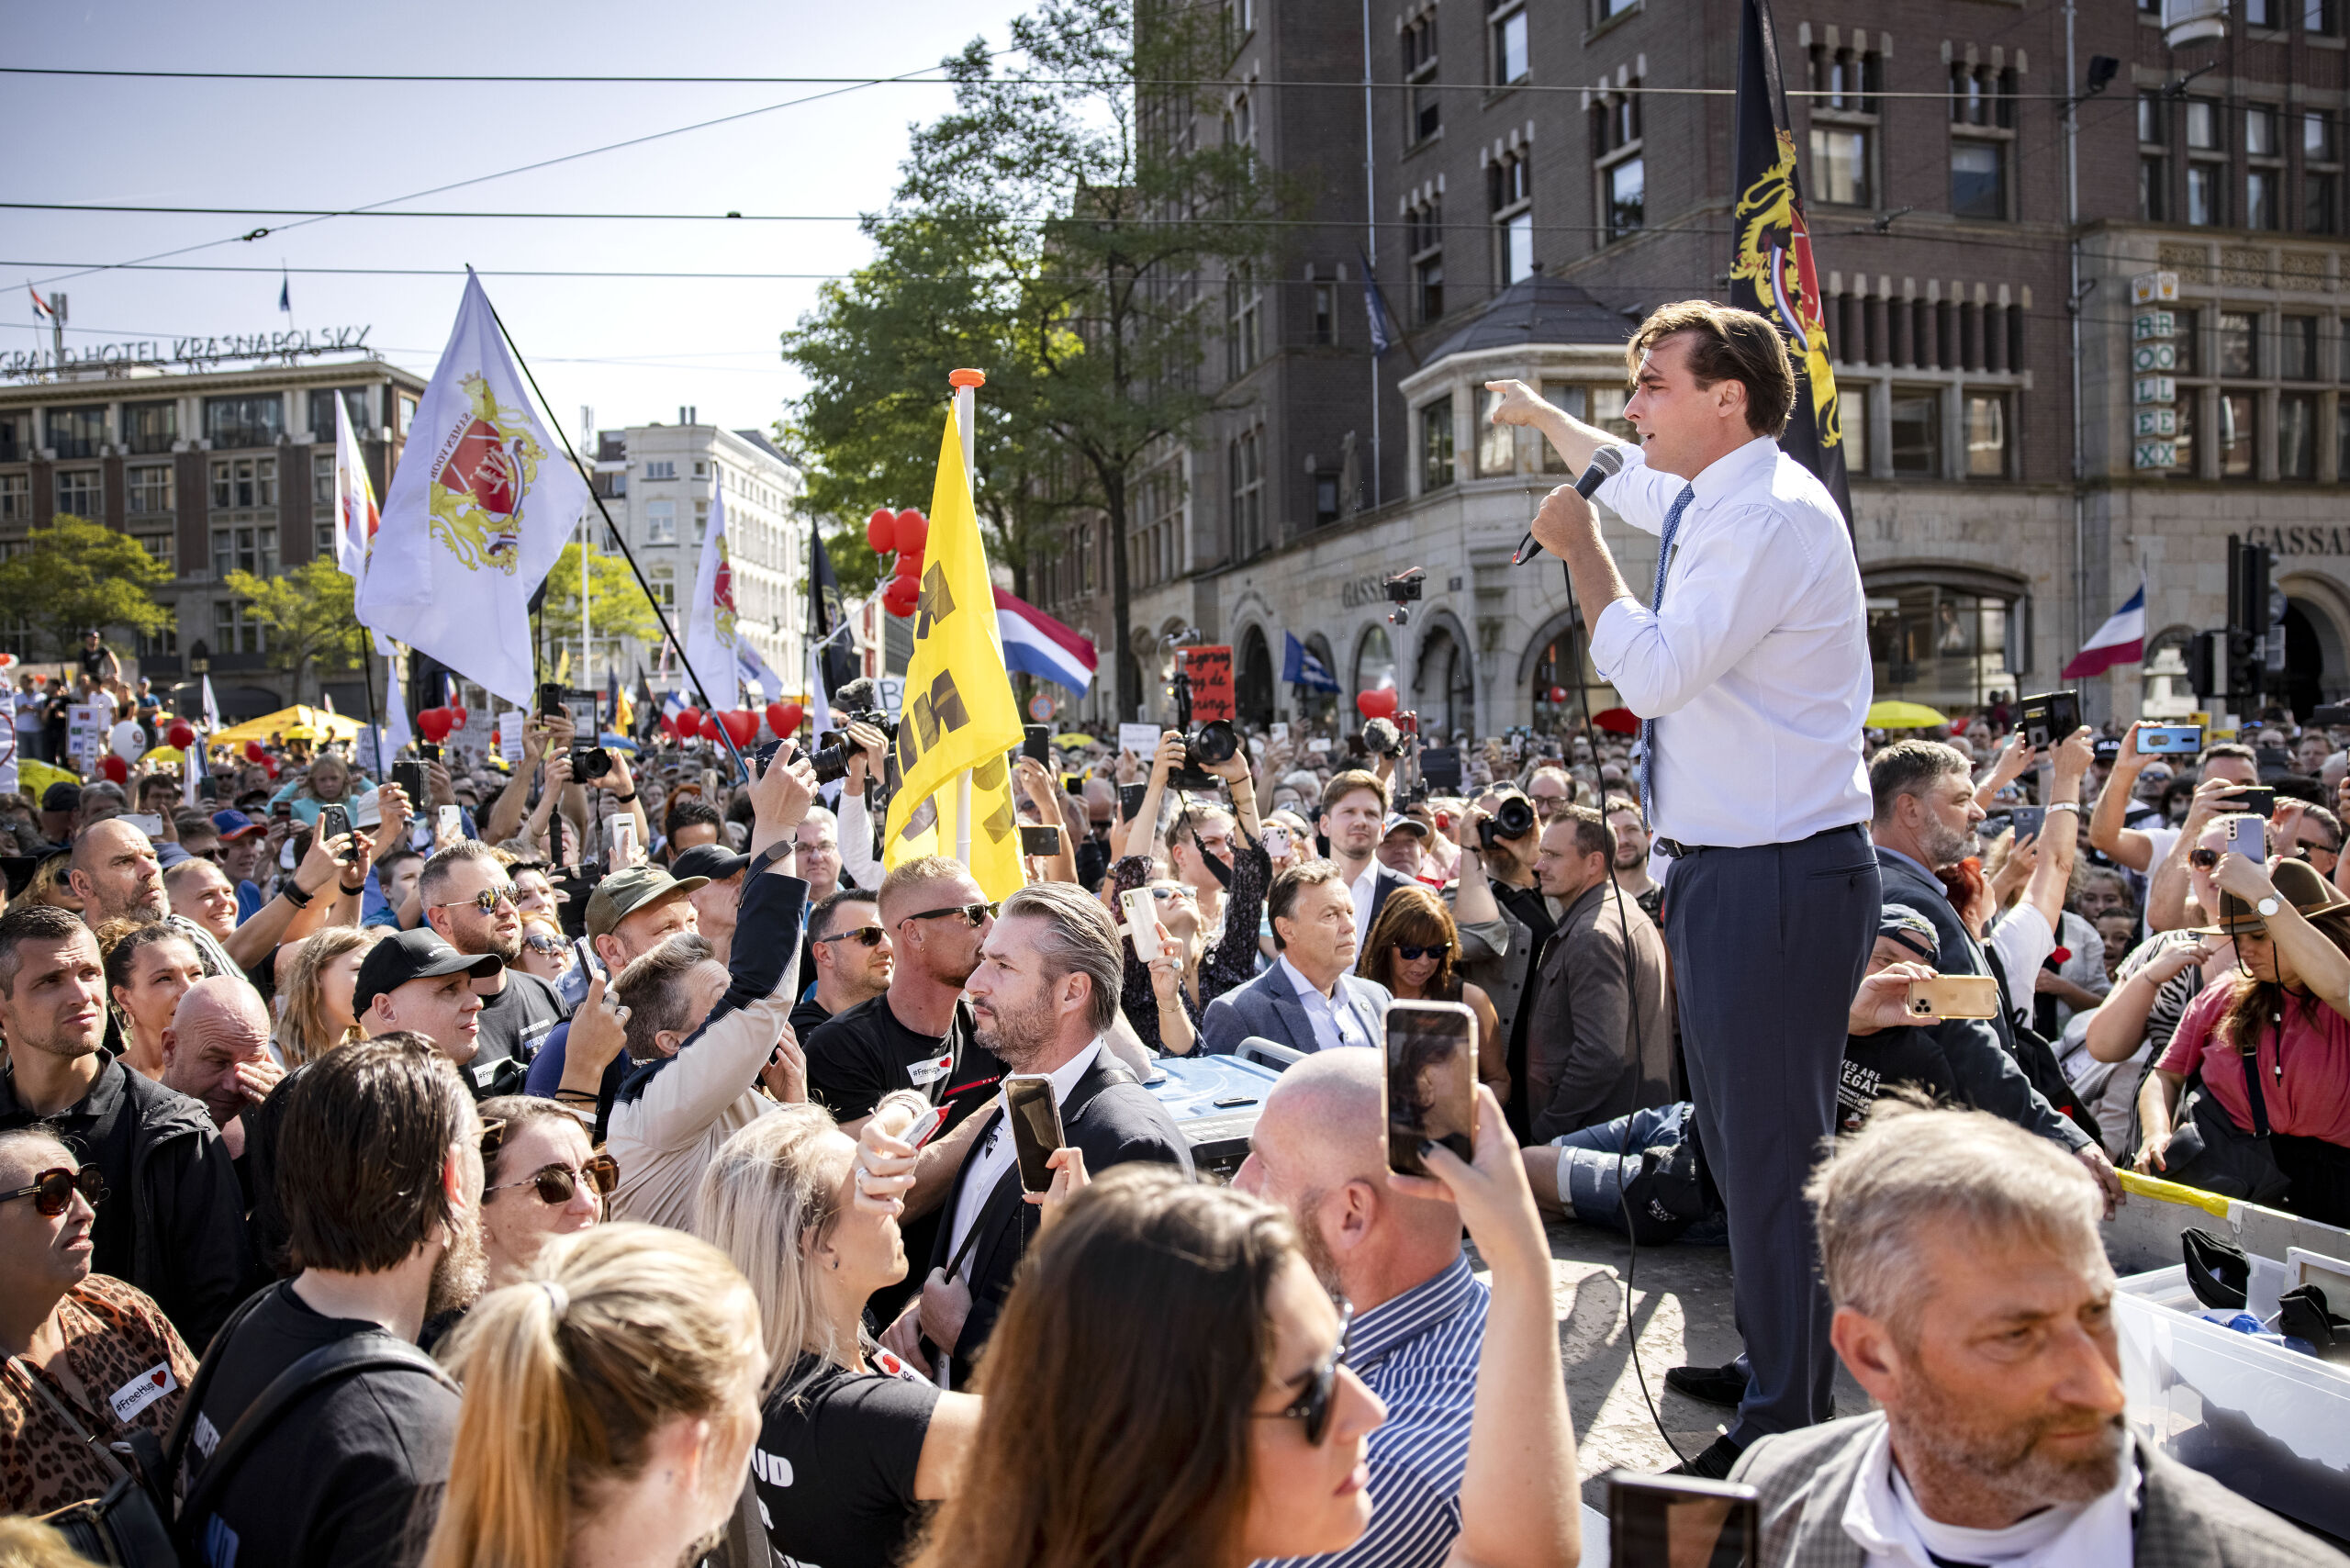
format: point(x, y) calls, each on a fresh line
point(1748, 663)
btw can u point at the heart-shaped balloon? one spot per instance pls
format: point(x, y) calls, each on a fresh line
point(913, 531)
point(742, 724)
point(689, 723)
point(1377, 703)
point(787, 722)
point(253, 752)
point(114, 767)
point(713, 724)
point(908, 565)
point(880, 530)
point(433, 723)
point(900, 596)
point(456, 717)
point(182, 733)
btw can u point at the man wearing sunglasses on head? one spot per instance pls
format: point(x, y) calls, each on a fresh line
point(468, 902)
point(853, 958)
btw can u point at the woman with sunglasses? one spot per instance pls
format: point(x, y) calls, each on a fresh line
point(539, 1180)
point(89, 1358)
point(1168, 1386)
point(1161, 994)
point(863, 1438)
point(317, 996)
point(544, 952)
point(149, 968)
point(1412, 947)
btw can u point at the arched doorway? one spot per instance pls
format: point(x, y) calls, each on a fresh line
point(1560, 662)
point(1253, 681)
point(1374, 660)
point(1313, 705)
point(1445, 688)
point(2308, 633)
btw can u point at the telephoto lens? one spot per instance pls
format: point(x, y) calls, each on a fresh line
point(832, 761)
point(1513, 818)
point(1215, 742)
point(590, 762)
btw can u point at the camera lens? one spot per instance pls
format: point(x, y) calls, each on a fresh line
point(590, 762)
point(831, 762)
point(1215, 743)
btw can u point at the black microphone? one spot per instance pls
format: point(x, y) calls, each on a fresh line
point(1606, 463)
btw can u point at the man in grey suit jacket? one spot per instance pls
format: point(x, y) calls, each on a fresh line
point(1310, 999)
point(1971, 1298)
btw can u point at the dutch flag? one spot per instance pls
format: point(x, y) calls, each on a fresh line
point(1036, 643)
point(2120, 641)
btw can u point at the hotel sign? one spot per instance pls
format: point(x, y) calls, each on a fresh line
point(188, 353)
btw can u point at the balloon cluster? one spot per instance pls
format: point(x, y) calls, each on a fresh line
point(905, 532)
point(436, 722)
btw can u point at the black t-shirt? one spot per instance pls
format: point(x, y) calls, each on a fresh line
point(807, 1015)
point(514, 1025)
point(351, 1474)
point(93, 661)
point(1875, 1063)
point(835, 1461)
point(862, 1052)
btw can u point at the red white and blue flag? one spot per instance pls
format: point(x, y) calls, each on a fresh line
point(2120, 641)
point(1039, 645)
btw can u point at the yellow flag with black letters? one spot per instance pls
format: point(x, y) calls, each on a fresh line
point(959, 711)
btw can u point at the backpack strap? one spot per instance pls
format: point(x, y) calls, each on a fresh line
point(175, 1446)
point(327, 1364)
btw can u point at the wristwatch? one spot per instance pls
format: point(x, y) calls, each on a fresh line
point(2268, 908)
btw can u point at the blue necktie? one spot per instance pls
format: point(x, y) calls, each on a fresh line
point(1656, 601)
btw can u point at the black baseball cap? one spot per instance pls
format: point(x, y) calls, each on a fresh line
point(414, 954)
point(710, 860)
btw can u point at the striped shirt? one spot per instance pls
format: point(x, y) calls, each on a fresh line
point(1419, 1354)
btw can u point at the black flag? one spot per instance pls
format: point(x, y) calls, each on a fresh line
point(837, 663)
point(1771, 269)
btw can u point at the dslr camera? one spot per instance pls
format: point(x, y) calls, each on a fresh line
point(1212, 743)
point(1513, 820)
point(835, 749)
point(1404, 589)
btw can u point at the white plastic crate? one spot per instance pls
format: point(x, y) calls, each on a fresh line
point(2266, 1422)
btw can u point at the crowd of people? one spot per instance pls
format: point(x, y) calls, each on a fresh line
point(609, 1158)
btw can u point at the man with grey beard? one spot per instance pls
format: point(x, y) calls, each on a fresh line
point(380, 1171)
point(1973, 1303)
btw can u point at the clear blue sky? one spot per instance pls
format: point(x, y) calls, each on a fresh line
point(634, 349)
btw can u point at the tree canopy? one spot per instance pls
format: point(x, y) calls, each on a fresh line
point(77, 574)
point(309, 616)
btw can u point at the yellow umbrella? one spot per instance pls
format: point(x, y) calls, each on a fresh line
point(318, 721)
point(166, 754)
point(34, 777)
point(1891, 714)
point(1074, 739)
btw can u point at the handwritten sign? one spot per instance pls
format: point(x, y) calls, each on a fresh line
point(1211, 672)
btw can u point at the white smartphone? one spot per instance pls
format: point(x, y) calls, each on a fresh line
point(1142, 912)
point(621, 831)
point(451, 824)
point(1277, 840)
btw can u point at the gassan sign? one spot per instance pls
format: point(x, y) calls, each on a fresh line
point(188, 353)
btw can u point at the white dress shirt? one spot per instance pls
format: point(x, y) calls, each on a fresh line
point(1365, 890)
point(1757, 667)
point(1333, 1016)
point(988, 1163)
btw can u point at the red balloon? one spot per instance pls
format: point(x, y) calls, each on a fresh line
point(1558, 694)
point(880, 530)
point(182, 733)
point(434, 724)
point(114, 767)
point(792, 714)
point(742, 724)
point(908, 565)
point(712, 726)
point(253, 752)
point(689, 721)
point(456, 717)
point(900, 596)
point(1377, 703)
point(914, 531)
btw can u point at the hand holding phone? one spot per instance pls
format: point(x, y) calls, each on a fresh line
point(1141, 910)
point(335, 822)
point(1955, 996)
point(2248, 836)
point(1431, 1081)
point(1036, 1128)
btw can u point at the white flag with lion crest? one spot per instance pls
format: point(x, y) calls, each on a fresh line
point(478, 510)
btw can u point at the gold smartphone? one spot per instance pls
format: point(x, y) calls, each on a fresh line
point(1955, 996)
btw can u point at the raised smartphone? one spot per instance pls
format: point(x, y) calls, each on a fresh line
point(2159, 740)
point(1037, 742)
point(1676, 1521)
point(2248, 836)
point(2260, 800)
point(2028, 821)
point(1431, 1057)
point(1955, 996)
point(2050, 717)
point(333, 823)
point(1036, 1127)
point(1035, 840)
point(1141, 909)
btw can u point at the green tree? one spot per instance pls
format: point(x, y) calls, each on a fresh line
point(76, 574)
point(1067, 228)
point(617, 607)
point(308, 615)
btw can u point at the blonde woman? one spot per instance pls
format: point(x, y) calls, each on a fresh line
point(318, 993)
point(860, 1437)
point(611, 1405)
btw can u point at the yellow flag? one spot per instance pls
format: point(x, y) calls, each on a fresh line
point(960, 713)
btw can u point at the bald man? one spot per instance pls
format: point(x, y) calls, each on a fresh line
point(1319, 1150)
point(217, 1050)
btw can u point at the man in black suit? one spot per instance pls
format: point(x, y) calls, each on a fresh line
point(1046, 989)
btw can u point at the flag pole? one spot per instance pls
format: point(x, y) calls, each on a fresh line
point(966, 384)
point(741, 769)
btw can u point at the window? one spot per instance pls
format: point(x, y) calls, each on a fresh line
point(2239, 429)
point(150, 428)
point(2186, 325)
point(1243, 312)
point(234, 631)
point(702, 520)
point(1326, 312)
point(16, 437)
point(1496, 445)
point(1949, 644)
point(150, 488)
point(245, 547)
point(1840, 164)
point(2259, 13)
point(2317, 17)
point(1987, 436)
point(16, 498)
point(1239, 123)
point(1607, 405)
point(1421, 111)
point(1571, 400)
point(1509, 190)
point(2321, 174)
point(2263, 182)
point(2183, 447)
point(2260, 132)
point(408, 413)
point(1616, 147)
point(2260, 197)
point(2342, 436)
point(662, 469)
point(240, 482)
point(1604, 9)
point(2296, 436)
point(1917, 435)
point(1424, 236)
point(1247, 497)
point(321, 479)
point(2206, 203)
point(2203, 125)
point(663, 578)
point(661, 523)
point(1326, 499)
point(163, 644)
point(1978, 183)
point(1844, 109)
point(323, 412)
point(2297, 348)
point(1435, 444)
point(160, 545)
point(77, 492)
point(255, 421)
point(1627, 197)
point(1508, 29)
point(701, 469)
point(1852, 423)
point(2154, 167)
point(2239, 343)
point(1981, 95)
point(77, 432)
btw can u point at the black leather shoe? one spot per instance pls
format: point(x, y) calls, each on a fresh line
point(1724, 1385)
point(1715, 1463)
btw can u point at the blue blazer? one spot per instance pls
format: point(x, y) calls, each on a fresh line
point(1269, 1006)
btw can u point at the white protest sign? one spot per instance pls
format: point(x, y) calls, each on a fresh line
point(510, 735)
point(1140, 739)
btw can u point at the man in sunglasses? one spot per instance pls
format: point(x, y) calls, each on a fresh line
point(468, 902)
point(177, 1227)
point(853, 954)
point(1599, 1038)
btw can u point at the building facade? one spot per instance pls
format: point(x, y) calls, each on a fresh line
point(2016, 463)
point(212, 472)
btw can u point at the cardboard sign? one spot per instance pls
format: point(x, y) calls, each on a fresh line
point(1211, 672)
point(85, 732)
point(510, 735)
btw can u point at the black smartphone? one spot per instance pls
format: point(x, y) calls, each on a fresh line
point(1664, 1521)
point(2257, 798)
point(1073, 782)
point(2028, 821)
point(1037, 742)
point(1130, 800)
point(1036, 1127)
point(333, 823)
point(1035, 840)
point(429, 750)
point(2050, 717)
point(1431, 1080)
point(550, 698)
point(410, 777)
point(281, 810)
